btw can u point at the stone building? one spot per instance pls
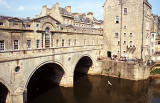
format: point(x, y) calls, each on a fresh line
point(53, 28)
point(157, 43)
point(57, 39)
point(127, 28)
point(154, 32)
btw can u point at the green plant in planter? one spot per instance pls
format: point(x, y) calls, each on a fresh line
point(156, 71)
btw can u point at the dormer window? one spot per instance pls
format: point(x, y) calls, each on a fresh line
point(37, 25)
point(27, 25)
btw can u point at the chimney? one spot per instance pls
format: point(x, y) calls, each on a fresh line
point(36, 16)
point(83, 14)
point(68, 8)
point(90, 15)
point(28, 18)
point(44, 10)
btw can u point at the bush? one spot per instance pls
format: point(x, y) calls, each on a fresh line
point(156, 71)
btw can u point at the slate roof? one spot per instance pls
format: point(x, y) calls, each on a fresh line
point(79, 18)
point(9, 17)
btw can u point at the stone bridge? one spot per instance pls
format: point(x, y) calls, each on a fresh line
point(23, 70)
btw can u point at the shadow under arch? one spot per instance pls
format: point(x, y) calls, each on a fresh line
point(82, 67)
point(43, 78)
point(4, 93)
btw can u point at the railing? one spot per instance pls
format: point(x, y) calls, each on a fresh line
point(35, 53)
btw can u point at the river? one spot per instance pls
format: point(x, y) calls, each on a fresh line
point(96, 89)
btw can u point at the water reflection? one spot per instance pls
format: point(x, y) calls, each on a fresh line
point(95, 89)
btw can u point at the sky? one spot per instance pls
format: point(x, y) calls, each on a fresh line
point(30, 8)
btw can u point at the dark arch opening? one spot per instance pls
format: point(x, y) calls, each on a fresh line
point(3, 93)
point(44, 79)
point(82, 67)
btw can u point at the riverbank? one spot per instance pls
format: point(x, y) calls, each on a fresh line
point(131, 71)
point(156, 76)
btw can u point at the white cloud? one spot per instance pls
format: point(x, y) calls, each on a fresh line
point(4, 4)
point(21, 8)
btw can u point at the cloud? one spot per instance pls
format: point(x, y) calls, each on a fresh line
point(21, 8)
point(4, 4)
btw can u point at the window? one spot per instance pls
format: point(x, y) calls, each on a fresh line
point(69, 42)
point(159, 33)
point(28, 44)
point(2, 45)
point(52, 39)
point(92, 41)
point(116, 35)
point(84, 41)
point(125, 11)
point(152, 36)
point(42, 40)
point(124, 34)
point(28, 25)
point(124, 43)
point(159, 26)
point(15, 44)
point(120, 1)
point(75, 42)
point(37, 45)
point(131, 35)
point(37, 25)
point(125, 27)
point(1, 23)
point(62, 42)
point(118, 43)
point(158, 42)
point(117, 19)
point(57, 43)
point(124, 52)
point(130, 42)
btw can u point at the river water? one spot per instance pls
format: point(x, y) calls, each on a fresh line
point(95, 89)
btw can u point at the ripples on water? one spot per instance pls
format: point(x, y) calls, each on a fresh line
point(95, 89)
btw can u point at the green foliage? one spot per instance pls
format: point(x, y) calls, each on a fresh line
point(156, 71)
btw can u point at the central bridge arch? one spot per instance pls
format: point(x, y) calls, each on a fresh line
point(82, 67)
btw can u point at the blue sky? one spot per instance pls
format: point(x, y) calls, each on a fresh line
point(29, 8)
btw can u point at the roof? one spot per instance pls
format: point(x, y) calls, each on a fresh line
point(78, 17)
point(9, 17)
point(46, 16)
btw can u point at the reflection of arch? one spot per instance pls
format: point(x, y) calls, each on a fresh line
point(41, 66)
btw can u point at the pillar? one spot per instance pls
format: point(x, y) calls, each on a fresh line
point(18, 97)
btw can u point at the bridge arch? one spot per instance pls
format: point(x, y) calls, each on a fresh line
point(4, 93)
point(82, 67)
point(44, 77)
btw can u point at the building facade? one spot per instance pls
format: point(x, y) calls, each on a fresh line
point(127, 28)
point(53, 28)
point(157, 42)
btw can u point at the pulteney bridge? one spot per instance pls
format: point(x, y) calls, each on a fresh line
point(43, 50)
point(22, 70)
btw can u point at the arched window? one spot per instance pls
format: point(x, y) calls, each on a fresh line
point(47, 30)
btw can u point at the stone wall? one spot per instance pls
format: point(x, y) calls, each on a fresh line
point(125, 70)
